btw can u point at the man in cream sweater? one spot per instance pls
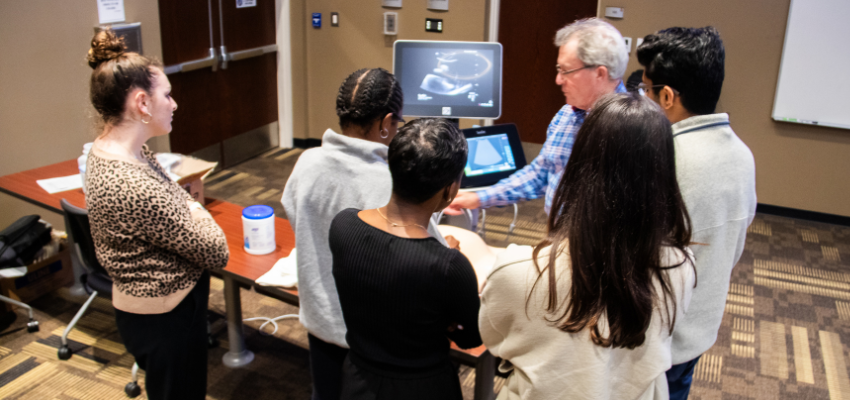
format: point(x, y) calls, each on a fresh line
point(684, 71)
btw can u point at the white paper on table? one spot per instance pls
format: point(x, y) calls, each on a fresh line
point(61, 184)
point(284, 273)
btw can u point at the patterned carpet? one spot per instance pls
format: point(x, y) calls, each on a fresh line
point(784, 335)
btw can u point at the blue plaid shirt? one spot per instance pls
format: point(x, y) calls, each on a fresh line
point(544, 173)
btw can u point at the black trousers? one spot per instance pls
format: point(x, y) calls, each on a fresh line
point(326, 362)
point(171, 347)
point(361, 381)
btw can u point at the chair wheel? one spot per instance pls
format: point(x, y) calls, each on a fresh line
point(65, 353)
point(132, 389)
point(32, 326)
point(211, 342)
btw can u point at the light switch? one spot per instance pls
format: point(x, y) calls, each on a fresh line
point(390, 23)
point(614, 12)
point(334, 19)
point(628, 41)
point(638, 42)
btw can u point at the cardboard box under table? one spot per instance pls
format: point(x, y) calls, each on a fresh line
point(40, 278)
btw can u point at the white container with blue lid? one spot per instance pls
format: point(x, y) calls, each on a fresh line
point(258, 228)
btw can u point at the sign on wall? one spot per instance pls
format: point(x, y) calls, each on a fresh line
point(438, 5)
point(109, 11)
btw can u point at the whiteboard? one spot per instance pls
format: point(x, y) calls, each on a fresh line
point(814, 75)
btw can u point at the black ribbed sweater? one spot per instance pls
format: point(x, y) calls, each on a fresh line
point(399, 295)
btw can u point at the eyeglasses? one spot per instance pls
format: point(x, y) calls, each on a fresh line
point(399, 121)
point(643, 88)
point(565, 73)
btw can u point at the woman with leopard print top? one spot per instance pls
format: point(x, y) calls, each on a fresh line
point(154, 240)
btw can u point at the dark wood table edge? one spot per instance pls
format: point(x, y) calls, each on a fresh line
point(32, 201)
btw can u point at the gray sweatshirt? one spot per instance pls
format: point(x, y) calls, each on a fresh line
point(717, 177)
point(343, 173)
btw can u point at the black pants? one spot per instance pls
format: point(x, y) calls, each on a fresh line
point(326, 362)
point(361, 381)
point(171, 347)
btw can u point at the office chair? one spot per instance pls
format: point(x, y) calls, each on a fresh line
point(32, 325)
point(96, 280)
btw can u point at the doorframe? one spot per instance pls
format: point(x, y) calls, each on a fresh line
point(491, 23)
point(284, 72)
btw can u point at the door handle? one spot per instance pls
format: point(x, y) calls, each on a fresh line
point(210, 61)
point(241, 54)
point(245, 54)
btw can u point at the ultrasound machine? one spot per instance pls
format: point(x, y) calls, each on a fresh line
point(455, 80)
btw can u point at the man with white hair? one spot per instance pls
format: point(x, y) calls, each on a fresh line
point(591, 63)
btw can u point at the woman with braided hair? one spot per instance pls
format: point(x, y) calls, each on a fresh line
point(349, 170)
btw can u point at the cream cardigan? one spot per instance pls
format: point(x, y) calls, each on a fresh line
point(551, 364)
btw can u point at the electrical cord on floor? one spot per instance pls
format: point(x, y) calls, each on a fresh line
point(268, 320)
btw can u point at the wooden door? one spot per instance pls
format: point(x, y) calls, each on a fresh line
point(527, 29)
point(233, 104)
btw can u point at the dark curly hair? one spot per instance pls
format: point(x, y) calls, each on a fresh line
point(368, 95)
point(427, 155)
point(116, 73)
point(690, 60)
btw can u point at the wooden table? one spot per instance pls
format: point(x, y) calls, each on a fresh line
point(242, 269)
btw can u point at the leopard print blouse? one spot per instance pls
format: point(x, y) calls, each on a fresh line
point(143, 230)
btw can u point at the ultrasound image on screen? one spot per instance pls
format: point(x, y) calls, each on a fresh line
point(488, 155)
point(451, 77)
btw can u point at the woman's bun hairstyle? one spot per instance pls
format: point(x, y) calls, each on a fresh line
point(105, 46)
point(116, 73)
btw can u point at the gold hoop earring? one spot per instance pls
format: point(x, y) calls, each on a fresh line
point(385, 136)
point(149, 119)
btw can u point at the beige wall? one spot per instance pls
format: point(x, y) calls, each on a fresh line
point(797, 166)
point(45, 114)
point(323, 57)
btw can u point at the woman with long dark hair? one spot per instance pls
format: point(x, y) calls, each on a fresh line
point(588, 312)
point(155, 241)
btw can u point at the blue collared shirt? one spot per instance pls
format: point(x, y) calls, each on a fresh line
point(543, 174)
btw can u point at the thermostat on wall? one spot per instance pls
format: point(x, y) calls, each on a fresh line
point(614, 12)
point(390, 23)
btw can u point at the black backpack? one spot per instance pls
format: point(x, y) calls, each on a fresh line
point(20, 242)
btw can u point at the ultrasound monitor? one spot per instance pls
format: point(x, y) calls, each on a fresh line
point(449, 79)
point(495, 152)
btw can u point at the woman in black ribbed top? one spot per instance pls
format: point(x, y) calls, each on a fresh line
point(403, 294)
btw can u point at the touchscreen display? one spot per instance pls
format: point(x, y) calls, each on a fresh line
point(489, 154)
point(448, 77)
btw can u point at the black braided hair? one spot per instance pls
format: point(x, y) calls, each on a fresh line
point(368, 95)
